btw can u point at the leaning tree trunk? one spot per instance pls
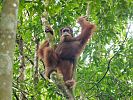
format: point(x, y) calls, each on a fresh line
point(8, 24)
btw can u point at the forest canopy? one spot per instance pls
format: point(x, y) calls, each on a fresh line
point(104, 70)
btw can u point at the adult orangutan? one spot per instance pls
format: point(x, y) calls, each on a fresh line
point(62, 58)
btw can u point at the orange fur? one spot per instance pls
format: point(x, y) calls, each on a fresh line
point(62, 58)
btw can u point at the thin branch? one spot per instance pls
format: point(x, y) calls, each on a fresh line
point(87, 10)
point(14, 93)
point(109, 62)
point(32, 63)
point(19, 89)
point(36, 61)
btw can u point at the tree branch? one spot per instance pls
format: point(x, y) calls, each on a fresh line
point(109, 62)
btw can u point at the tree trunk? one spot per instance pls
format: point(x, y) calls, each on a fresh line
point(22, 67)
point(36, 62)
point(8, 24)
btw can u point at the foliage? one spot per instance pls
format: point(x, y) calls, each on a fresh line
point(109, 53)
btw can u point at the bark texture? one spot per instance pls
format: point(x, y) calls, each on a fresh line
point(8, 23)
